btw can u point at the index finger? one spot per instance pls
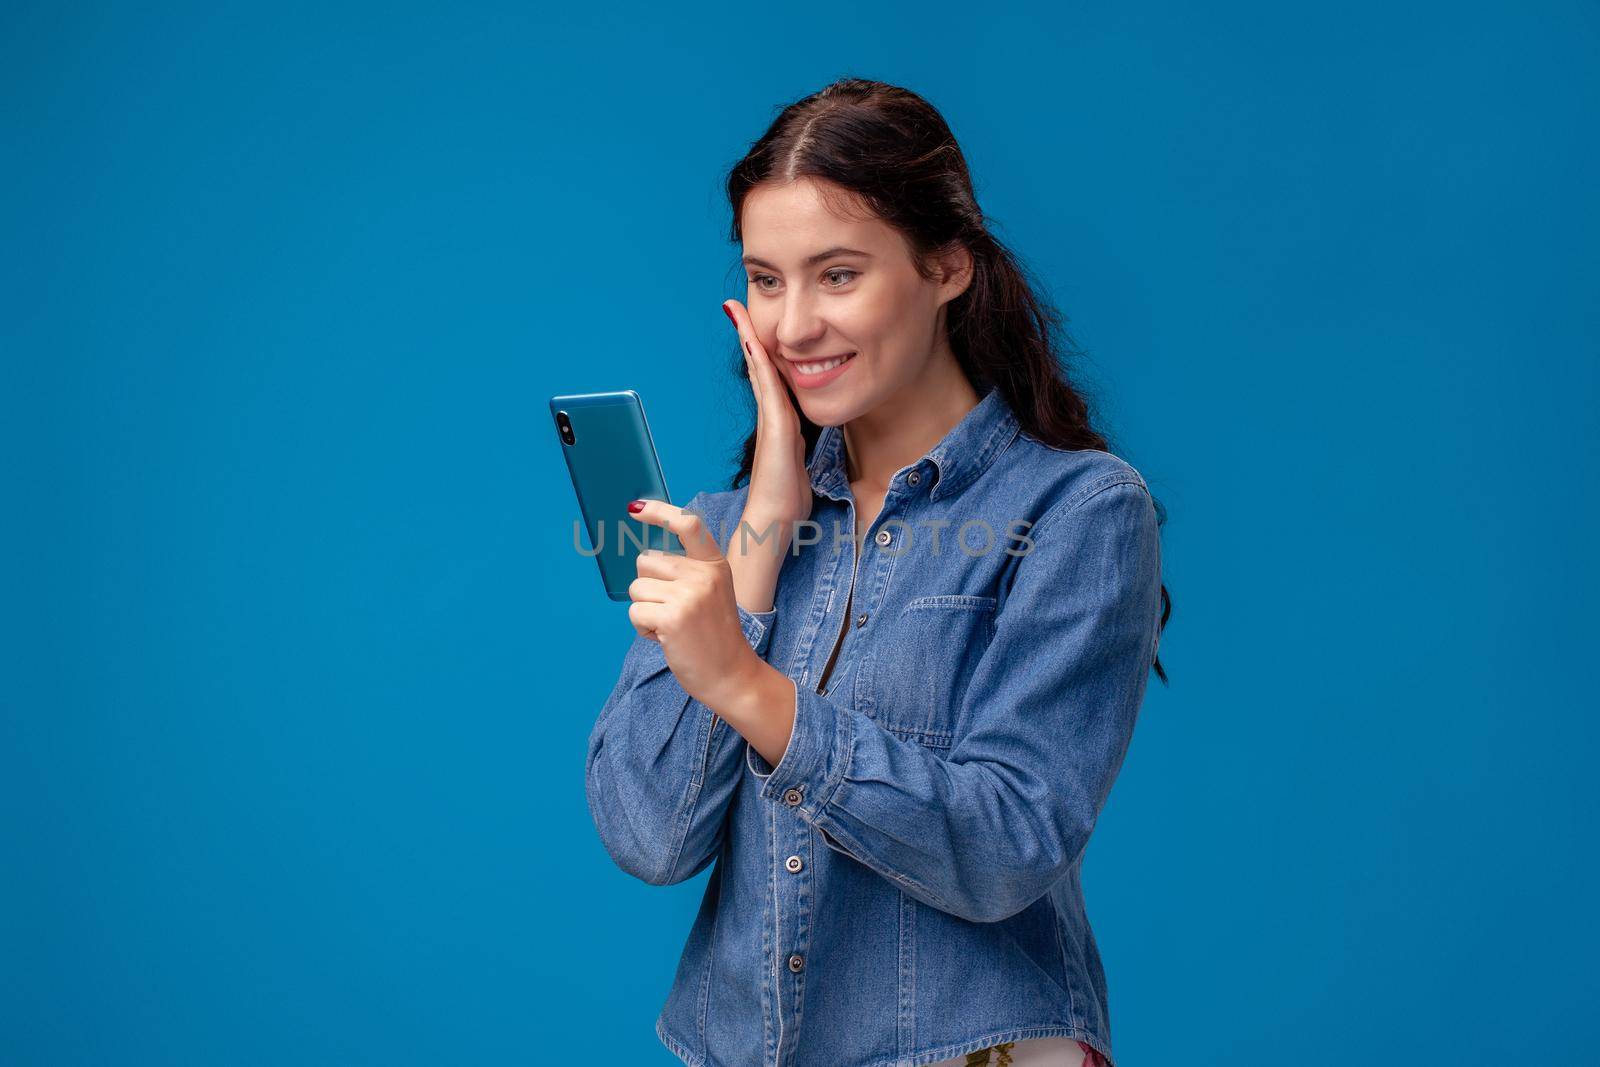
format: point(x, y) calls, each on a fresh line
point(762, 369)
point(697, 540)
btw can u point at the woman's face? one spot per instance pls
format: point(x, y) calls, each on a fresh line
point(822, 286)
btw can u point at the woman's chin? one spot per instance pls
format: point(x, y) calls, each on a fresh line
point(829, 411)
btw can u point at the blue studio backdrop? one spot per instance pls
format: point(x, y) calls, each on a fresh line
point(297, 661)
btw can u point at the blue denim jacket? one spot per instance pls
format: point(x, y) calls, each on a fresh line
point(903, 887)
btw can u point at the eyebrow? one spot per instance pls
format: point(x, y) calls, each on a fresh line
point(810, 260)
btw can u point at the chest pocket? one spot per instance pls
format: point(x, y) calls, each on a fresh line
point(913, 679)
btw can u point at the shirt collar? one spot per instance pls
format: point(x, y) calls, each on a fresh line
point(959, 457)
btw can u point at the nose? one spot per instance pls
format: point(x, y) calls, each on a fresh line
point(799, 325)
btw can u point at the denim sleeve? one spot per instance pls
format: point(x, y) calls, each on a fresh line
point(661, 769)
point(988, 829)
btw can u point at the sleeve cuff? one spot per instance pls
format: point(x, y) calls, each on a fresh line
point(818, 755)
point(757, 627)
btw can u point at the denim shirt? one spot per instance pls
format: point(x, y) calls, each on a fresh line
point(903, 887)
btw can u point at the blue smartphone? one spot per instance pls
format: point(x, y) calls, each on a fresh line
point(612, 459)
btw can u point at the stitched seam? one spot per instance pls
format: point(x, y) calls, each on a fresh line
point(1061, 949)
point(1074, 503)
point(686, 819)
point(819, 614)
point(1110, 481)
point(998, 442)
point(955, 601)
point(1076, 451)
point(777, 927)
point(844, 732)
point(862, 856)
point(705, 979)
point(676, 1047)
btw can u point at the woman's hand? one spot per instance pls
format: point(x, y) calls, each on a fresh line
point(780, 486)
point(686, 605)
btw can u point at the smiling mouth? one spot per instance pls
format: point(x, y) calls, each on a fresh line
point(820, 366)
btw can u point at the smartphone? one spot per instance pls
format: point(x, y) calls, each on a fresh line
point(612, 459)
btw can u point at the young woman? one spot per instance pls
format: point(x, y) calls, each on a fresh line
point(890, 682)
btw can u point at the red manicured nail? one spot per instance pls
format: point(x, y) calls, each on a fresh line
point(729, 312)
point(635, 505)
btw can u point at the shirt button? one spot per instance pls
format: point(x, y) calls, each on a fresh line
point(791, 797)
point(797, 963)
point(793, 863)
point(884, 537)
point(861, 620)
point(914, 477)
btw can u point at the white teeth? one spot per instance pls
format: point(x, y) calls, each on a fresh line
point(818, 368)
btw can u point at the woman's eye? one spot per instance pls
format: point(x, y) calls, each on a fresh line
point(844, 275)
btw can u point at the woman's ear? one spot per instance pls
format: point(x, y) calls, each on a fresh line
point(953, 271)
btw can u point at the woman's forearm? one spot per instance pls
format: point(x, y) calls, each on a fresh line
point(759, 702)
point(760, 705)
point(755, 555)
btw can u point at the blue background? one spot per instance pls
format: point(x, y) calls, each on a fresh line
point(298, 664)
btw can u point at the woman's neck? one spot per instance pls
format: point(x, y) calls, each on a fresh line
point(901, 431)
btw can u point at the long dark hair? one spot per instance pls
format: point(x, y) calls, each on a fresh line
point(893, 150)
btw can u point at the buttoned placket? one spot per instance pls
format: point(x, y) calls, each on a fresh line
point(794, 836)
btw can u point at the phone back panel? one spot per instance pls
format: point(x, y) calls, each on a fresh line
point(612, 460)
